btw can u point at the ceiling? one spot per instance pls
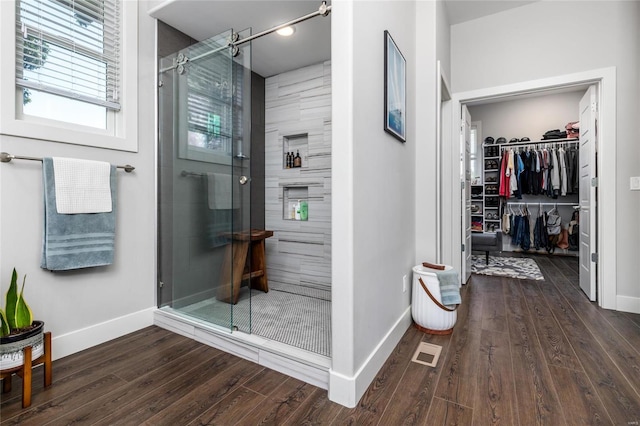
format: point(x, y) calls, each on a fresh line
point(274, 54)
point(466, 10)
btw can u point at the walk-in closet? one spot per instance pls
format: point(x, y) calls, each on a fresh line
point(530, 192)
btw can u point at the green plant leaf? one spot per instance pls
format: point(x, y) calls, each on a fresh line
point(12, 300)
point(24, 316)
point(4, 324)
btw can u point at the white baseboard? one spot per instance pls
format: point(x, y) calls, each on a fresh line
point(347, 390)
point(79, 340)
point(628, 304)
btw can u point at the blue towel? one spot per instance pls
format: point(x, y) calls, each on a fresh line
point(74, 241)
point(220, 217)
point(449, 287)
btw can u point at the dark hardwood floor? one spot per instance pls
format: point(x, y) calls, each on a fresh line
point(522, 353)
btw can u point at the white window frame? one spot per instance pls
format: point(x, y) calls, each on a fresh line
point(122, 126)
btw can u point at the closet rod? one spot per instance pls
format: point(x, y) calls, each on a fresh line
point(541, 204)
point(5, 157)
point(547, 141)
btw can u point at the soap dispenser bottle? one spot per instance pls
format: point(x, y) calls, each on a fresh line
point(298, 210)
point(297, 161)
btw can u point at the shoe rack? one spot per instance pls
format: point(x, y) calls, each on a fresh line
point(491, 200)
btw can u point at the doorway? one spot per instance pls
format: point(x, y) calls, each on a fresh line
point(604, 80)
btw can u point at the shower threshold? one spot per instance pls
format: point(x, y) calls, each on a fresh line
point(303, 365)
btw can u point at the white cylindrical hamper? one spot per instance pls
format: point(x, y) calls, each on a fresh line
point(428, 316)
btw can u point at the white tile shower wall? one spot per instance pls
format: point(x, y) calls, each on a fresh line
point(299, 102)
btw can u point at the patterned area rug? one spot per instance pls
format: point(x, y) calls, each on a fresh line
point(300, 320)
point(512, 267)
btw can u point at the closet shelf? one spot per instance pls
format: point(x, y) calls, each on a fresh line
point(538, 142)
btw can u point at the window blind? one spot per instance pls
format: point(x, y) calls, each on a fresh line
point(70, 48)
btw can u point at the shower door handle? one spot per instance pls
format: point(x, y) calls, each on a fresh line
point(243, 180)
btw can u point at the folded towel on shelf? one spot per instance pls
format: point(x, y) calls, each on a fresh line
point(223, 191)
point(74, 241)
point(82, 186)
point(449, 287)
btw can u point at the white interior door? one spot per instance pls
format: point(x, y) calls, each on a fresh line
point(588, 135)
point(466, 192)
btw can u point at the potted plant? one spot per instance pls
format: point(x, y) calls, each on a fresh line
point(17, 328)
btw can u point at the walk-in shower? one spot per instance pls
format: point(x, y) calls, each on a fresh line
point(207, 271)
point(204, 164)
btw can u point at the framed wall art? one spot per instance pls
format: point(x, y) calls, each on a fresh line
point(395, 92)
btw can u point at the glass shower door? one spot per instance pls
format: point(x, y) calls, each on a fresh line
point(204, 182)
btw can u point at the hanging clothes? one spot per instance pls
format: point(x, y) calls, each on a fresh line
point(569, 165)
point(555, 174)
point(510, 173)
point(518, 168)
point(563, 171)
point(541, 238)
point(521, 233)
point(506, 223)
point(504, 178)
point(544, 171)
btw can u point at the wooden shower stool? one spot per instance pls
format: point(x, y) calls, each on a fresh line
point(235, 267)
point(24, 370)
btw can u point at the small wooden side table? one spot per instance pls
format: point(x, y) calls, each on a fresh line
point(24, 371)
point(235, 268)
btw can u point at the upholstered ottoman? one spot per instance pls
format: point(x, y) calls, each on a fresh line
point(486, 242)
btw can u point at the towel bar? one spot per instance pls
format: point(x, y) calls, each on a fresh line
point(5, 157)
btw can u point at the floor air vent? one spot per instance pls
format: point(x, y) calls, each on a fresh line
point(427, 354)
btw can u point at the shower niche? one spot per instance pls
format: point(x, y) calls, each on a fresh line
point(297, 146)
point(295, 203)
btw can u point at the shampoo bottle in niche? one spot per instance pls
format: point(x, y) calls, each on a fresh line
point(297, 161)
point(304, 210)
point(298, 210)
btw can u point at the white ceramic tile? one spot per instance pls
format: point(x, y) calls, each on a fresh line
point(298, 251)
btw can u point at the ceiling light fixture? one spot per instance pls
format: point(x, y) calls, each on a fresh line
point(286, 31)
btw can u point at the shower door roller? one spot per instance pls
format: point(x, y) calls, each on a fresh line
point(243, 180)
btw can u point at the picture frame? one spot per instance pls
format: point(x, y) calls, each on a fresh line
point(395, 89)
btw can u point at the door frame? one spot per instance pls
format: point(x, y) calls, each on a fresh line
point(444, 117)
point(606, 244)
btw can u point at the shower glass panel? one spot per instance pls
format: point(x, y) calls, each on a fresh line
point(204, 182)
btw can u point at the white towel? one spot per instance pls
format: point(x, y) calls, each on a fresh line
point(223, 191)
point(82, 186)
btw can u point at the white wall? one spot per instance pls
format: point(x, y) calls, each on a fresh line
point(542, 40)
point(443, 36)
point(374, 188)
point(87, 307)
point(432, 44)
point(529, 117)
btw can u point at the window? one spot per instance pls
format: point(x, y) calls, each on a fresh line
point(67, 59)
point(75, 74)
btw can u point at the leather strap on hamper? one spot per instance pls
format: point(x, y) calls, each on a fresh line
point(433, 299)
